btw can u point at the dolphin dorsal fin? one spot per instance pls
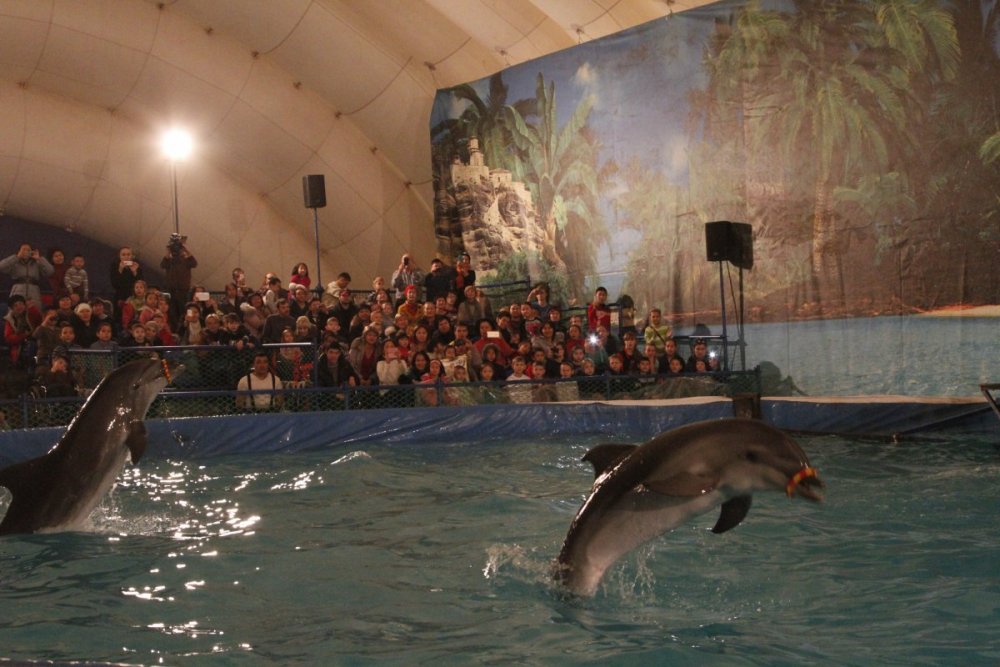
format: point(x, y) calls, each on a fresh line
point(136, 440)
point(606, 457)
point(733, 512)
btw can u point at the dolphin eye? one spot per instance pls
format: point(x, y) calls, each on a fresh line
point(136, 385)
point(751, 456)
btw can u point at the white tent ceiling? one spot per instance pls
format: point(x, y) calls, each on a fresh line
point(272, 90)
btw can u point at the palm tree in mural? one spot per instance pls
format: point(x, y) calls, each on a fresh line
point(834, 88)
point(990, 150)
point(560, 168)
point(484, 120)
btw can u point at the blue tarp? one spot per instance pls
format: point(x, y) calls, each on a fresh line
point(204, 437)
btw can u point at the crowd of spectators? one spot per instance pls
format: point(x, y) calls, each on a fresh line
point(419, 327)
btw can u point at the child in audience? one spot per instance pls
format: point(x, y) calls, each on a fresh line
point(76, 279)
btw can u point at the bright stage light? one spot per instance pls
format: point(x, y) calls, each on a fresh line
point(177, 145)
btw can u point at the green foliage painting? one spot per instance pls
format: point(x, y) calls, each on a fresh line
point(859, 138)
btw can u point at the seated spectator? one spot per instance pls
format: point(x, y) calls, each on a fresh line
point(189, 332)
point(444, 334)
point(131, 306)
point(213, 332)
point(84, 325)
point(539, 298)
point(65, 308)
point(421, 340)
point(56, 378)
point(410, 307)
point(566, 390)
point(252, 319)
point(231, 300)
point(46, 337)
point(364, 356)
point(105, 338)
point(518, 387)
point(598, 312)
point(101, 313)
point(532, 324)
point(259, 379)
point(75, 279)
point(300, 275)
point(699, 354)
point(420, 365)
point(331, 295)
point(361, 320)
point(17, 332)
point(656, 362)
point(67, 341)
point(158, 334)
point(334, 370)
point(378, 285)
point(135, 336)
point(305, 332)
point(439, 281)
point(669, 353)
point(657, 332)
point(647, 376)
point(299, 302)
point(630, 353)
point(275, 293)
point(236, 334)
point(470, 310)
point(277, 322)
point(675, 366)
point(391, 367)
point(332, 333)
point(345, 310)
point(590, 383)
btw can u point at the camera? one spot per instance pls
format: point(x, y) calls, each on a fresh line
point(593, 339)
point(176, 243)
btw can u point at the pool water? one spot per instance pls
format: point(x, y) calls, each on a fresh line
point(440, 553)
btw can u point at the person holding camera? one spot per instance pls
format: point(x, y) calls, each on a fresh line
point(26, 269)
point(406, 275)
point(125, 272)
point(177, 264)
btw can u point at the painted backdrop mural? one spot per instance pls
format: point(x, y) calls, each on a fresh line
point(861, 139)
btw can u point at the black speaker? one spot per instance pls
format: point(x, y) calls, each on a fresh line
point(729, 242)
point(314, 191)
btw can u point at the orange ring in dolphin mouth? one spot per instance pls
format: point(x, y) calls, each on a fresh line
point(797, 478)
point(166, 374)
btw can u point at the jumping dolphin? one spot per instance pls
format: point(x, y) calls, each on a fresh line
point(643, 491)
point(58, 490)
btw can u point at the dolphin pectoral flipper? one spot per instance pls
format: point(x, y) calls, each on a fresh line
point(683, 484)
point(606, 457)
point(733, 512)
point(136, 440)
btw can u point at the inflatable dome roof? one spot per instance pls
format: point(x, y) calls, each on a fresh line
point(271, 90)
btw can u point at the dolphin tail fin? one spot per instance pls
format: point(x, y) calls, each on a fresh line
point(733, 512)
point(136, 440)
point(606, 457)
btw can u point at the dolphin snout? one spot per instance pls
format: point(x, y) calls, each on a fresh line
point(808, 487)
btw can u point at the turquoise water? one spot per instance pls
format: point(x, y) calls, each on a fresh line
point(440, 553)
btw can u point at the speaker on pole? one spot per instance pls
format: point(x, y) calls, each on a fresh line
point(314, 191)
point(729, 242)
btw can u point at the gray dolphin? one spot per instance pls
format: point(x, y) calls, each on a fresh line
point(642, 491)
point(58, 490)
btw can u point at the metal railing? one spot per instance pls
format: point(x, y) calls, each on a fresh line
point(35, 410)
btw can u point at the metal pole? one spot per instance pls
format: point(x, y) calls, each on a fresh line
point(725, 337)
point(319, 272)
point(177, 215)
